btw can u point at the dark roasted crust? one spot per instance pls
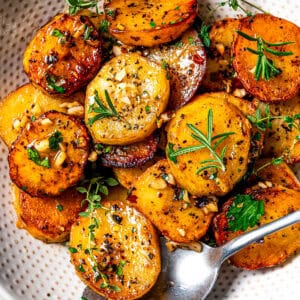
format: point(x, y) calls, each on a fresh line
point(131, 156)
point(76, 61)
point(50, 181)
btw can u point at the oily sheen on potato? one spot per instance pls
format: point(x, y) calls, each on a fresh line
point(64, 55)
point(139, 91)
point(48, 219)
point(226, 119)
point(149, 23)
point(274, 248)
point(27, 103)
point(123, 259)
point(178, 216)
point(273, 30)
point(49, 155)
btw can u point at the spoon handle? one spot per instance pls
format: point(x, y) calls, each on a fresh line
point(245, 239)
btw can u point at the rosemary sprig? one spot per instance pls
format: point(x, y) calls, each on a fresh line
point(96, 187)
point(265, 68)
point(274, 161)
point(262, 122)
point(208, 142)
point(76, 5)
point(101, 110)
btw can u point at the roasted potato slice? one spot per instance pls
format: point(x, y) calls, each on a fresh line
point(274, 248)
point(177, 215)
point(139, 92)
point(27, 103)
point(64, 55)
point(132, 155)
point(219, 72)
point(185, 60)
point(273, 30)
point(127, 176)
point(47, 218)
point(122, 261)
point(50, 154)
point(279, 174)
point(281, 139)
point(226, 119)
point(149, 23)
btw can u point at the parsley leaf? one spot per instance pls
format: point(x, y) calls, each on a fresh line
point(35, 157)
point(244, 212)
point(204, 35)
point(54, 140)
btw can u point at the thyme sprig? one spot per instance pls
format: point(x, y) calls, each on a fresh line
point(96, 187)
point(208, 142)
point(76, 5)
point(101, 110)
point(265, 68)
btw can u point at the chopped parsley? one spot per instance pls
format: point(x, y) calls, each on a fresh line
point(244, 212)
point(152, 24)
point(52, 84)
point(36, 158)
point(54, 140)
point(57, 33)
point(59, 207)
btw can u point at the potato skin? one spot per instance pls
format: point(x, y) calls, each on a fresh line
point(181, 220)
point(41, 217)
point(281, 140)
point(276, 247)
point(144, 23)
point(226, 118)
point(186, 64)
point(132, 155)
point(50, 181)
point(219, 71)
point(274, 30)
point(139, 90)
point(70, 61)
point(27, 103)
point(132, 240)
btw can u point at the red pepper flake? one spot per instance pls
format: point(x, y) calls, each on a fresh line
point(198, 59)
point(132, 198)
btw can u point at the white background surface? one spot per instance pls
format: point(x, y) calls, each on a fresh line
point(31, 269)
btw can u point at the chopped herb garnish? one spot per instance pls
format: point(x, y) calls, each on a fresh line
point(32, 118)
point(73, 250)
point(57, 33)
point(36, 158)
point(206, 142)
point(87, 32)
point(52, 84)
point(54, 140)
point(265, 68)
point(59, 207)
point(119, 271)
point(76, 5)
point(204, 34)
point(81, 268)
point(101, 110)
point(24, 188)
point(147, 109)
point(104, 25)
point(191, 41)
point(177, 7)
point(244, 212)
point(152, 24)
point(164, 64)
point(111, 12)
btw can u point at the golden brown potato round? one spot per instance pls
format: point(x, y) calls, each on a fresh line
point(149, 23)
point(47, 219)
point(64, 55)
point(280, 174)
point(27, 103)
point(226, 119)
point(274, 248)
point(273, 30)
point(139, 92)
point(49, 155)
point(177, 215)
point(125, 250)
point(185, 61)
point(280, 139)
point(219, 71)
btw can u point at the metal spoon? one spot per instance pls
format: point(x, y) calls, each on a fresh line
point(191, 275)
